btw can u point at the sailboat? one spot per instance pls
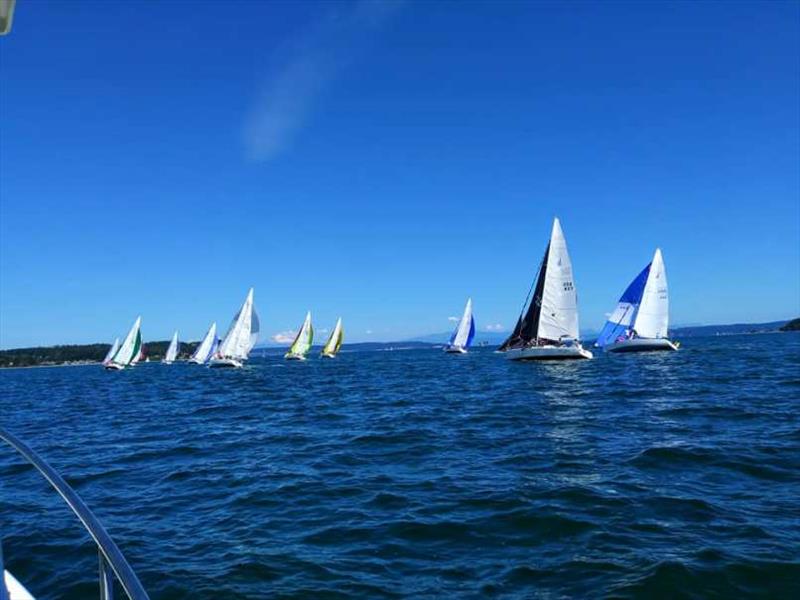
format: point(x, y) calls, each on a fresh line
point(302, 343)
point(548, 329)
point(111, 352)
point(241, 337)
point(641, 319)
point(464, 332)
point(207, 347)
point(129, 350)
point(334, 343)
point(172, 350)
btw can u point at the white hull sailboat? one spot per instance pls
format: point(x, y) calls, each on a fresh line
point(548, 328)
point(464, 332)
point(334, 343)
point(172, 350)
point(240, 339)
point(302, 342)
point(640, 321)
point(130, 349)
point(207, 347)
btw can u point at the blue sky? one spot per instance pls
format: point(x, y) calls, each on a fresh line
point(384, 161)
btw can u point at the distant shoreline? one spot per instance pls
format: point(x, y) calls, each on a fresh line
point(77, 355)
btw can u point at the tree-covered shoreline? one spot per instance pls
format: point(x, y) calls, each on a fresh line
point(81, 354)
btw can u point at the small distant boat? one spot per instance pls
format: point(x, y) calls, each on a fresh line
point(464, 333)
point(111, 352)
point(172, 350)
point(129, 350)
point(240, 339)
point(334, 343)
point(548, 329)
point(641, 319)
point(302, 343)
point(207, 347)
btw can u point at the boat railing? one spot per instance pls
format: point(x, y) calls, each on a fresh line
point(111, 561)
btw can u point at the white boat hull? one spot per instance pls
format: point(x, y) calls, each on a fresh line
point(642, 345)
point(548, 353)
point(455, 350)
point(16, 591)
point(291, 356)
point(113, 367)
point(225, 363)
point(327, 355)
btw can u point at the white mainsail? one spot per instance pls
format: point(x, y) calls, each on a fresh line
point(335, 341)
point(243, 332)
point(172, 350)
point(305, 337)
point(465, 331)
point(130, 347)
point(559, 313)
point(652, 318)
point(203, 351)
point(111, 352)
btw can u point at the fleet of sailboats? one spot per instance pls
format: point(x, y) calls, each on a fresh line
point(334, 343)
point(641, 319)
point(547, 327)
point(464, 332)
point(302, 342)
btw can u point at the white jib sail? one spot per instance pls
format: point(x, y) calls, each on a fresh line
point(130, 347)
point(243, 332)
point(111, 351)
point(172, 350)
point(203, 352)
point(462, 332)
point(559, 315)
point(333, 341)
point(652, 320)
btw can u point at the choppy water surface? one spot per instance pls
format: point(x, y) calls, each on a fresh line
point(419, 474)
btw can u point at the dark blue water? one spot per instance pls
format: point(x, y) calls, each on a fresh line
point(419, 474)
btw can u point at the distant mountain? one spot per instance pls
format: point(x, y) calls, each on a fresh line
point(497, 338)
point(793, 325)
point(353, 347)
point(732, 329)
point(492, 337)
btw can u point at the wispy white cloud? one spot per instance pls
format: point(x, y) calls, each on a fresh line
point(284, 337)
point(454, 319)
point(288, 96)
point(495, 327)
